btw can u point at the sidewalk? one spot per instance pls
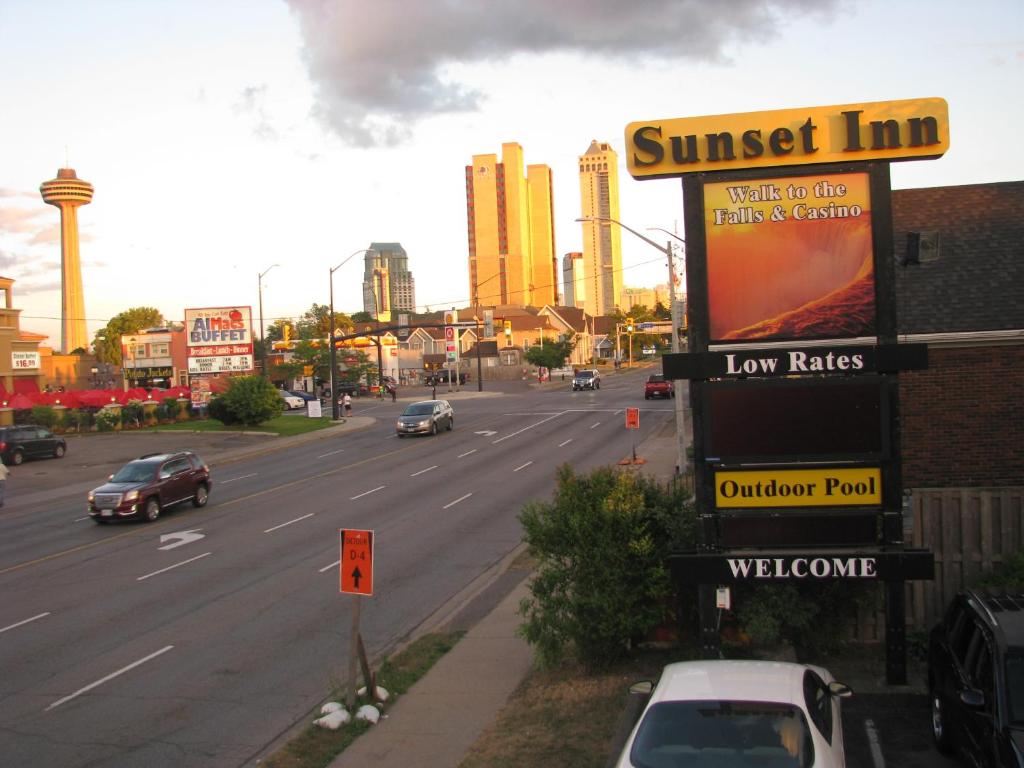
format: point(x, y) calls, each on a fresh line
point(438, 720)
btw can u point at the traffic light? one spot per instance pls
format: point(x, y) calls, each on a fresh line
point(508, 327)
point(451, 318)
point(286, 332)
point(629, 325)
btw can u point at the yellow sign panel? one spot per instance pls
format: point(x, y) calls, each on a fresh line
point(831, 487)
point(884, 130)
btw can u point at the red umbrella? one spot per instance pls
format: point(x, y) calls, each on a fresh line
point(19, 402)
point(68, 399)
point(97, 398)
point(135, 393)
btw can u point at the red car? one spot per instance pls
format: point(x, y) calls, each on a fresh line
point(144, 487)
point(658, 386)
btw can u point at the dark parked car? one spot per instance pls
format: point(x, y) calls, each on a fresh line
point(145, 486)
point(27, 441)
point(351, 388)
point(442, 377)
point(976, 678)
point(306, 396)
point(427, 417)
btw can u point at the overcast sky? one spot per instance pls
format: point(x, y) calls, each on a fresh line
point(225, 137)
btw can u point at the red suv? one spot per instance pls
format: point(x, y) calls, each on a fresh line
point(149, 484)
point(658, 386)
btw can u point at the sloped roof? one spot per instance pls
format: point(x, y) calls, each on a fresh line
point(574, 316)
point(976, 283)
point(604, 324)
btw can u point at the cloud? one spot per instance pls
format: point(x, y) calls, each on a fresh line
point(49, 235)
point(379, 67)
point(251, 102)
point(19, 221)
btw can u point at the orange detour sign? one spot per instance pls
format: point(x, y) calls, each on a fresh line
point(356, 561)
point(632, 418)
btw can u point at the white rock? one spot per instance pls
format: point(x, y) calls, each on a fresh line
point(368, 713)
point(330, 706)
point(382, 694)
point(333, 720)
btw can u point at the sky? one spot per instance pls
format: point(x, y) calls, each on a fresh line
point(223, 138)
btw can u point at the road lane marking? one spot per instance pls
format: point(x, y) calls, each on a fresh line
point(531, 426)
point(328, 567)
point(876, 748)
point(282, 525)
point(367, 493)
point(466, 453)
point(172, 567)
point(330, 453)
point(80, 519)
point(522, 466)
point(243, 477)
point(423, 470)
point(562, 445)
point(598, 424)
point(461, 498)
point(108, 678)
point(617, 412)
point(22, 623)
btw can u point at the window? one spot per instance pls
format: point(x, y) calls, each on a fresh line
point(819, 703)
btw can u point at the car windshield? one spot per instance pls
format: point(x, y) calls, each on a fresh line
point(419, 409)
point(657, 377)
point(584, 375)
point(135, 472)
point(722, 733)
point(1015, 687)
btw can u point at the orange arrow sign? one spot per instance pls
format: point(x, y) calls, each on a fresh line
point(356, 561)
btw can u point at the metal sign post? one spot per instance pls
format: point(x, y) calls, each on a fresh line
point(356, 576)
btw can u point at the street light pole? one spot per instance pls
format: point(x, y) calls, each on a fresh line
point(263, 346)
point(335, 412)
point(681, 462)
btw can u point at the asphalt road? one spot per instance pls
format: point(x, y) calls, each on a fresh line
point(123, 645)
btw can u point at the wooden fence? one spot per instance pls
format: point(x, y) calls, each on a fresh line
point(970, 530)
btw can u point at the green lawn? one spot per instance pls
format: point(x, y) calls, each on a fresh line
point(282, 425)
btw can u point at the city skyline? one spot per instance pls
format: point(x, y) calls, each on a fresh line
point(293, 139)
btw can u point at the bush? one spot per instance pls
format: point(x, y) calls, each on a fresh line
point(601, 579)
point(131, 413)
point(81, 420)
point(23, 416)
point(44, 416)
point(106, 420)
point(218, 409)
point(1007, 575)
point(249, 400)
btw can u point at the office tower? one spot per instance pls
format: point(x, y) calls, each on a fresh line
point(510, 230)
point(572, 280)
point(388, 285)
point(67, 192)
point(602, 242)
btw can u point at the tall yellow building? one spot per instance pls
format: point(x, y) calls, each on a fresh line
point(511, 231)
point(602, 243)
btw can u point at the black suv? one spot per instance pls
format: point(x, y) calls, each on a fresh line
point(149, 484)
point(976, 678)
point(27, 441)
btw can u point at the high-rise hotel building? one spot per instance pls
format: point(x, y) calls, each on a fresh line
point(602, 242)
point(388, 285)
point(510, 218)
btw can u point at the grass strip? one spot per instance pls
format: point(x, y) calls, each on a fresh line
point(283, 426)
point(316, 747)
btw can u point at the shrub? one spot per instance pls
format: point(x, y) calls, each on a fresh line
point(601, 578)
point(23, 416)
point(131, 413)
point(218, 409)
point(251, 400)
point(43, 415)
point(81, 420)
point(1008, 574)
point(106, 420)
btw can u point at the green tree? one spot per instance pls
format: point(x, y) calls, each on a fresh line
point(107, 342)
point(601, 546)
point(250, 400)
point(354, 364)
point(552, 354)
point(362, 317)
point(316, 323)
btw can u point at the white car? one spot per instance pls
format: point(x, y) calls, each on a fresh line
point(739, 713)
point(291, 402)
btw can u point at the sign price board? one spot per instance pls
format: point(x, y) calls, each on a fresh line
point(632, 418)
point(356, 566)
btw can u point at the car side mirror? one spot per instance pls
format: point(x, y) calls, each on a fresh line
point(641, 688)
point(110, 477)
point(972, 698)
point(840, 690)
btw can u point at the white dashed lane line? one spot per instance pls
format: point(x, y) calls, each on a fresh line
point(282, 525)
point(422, 471)
point(522, 466)
point(367, 493)
point(23, 622)
point(453, 503)
point(562, 445)
point(231, 480)
point(466, 453)
point(330, 453)
point(332, 565)
point(598, 424)
point(176, 565)
point(109, 677)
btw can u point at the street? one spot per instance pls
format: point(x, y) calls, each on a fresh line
point(199, 639)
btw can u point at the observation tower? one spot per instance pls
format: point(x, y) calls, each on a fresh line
point(67, 192)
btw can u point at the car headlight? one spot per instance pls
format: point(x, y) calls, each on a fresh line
point(91, 497)
point(131, 496)
point(425, 423)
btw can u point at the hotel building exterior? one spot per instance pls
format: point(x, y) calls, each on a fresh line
point(602, 243)
point(510, 227)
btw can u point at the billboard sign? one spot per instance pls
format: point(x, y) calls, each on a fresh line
point(219, 340)
point(21, 361)
point(220, 364)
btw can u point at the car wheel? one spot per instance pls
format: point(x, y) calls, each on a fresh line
point(451, 424)
point(100, 521)
point(400, 435)
point(152, 509)
point(433, 427)
point(940, 728)
point(673, 394)
point(201, 497)
point(17, 458)
point(58, 452)
point(647, 397)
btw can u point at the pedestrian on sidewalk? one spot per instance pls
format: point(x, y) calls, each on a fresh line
point(393, 391)
point(4, 472)
point(346, 401)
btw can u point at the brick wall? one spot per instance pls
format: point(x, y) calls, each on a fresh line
point(963, 418)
